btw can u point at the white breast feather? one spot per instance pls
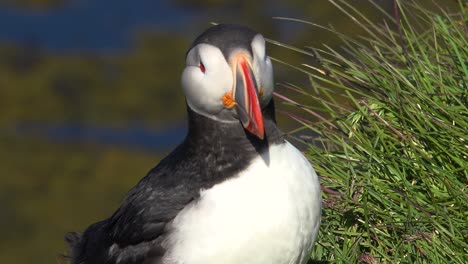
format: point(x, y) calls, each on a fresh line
point(269, 214)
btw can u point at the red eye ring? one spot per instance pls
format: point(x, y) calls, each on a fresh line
point(202, 67)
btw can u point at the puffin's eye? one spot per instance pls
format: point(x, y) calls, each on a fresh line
point(202, 67)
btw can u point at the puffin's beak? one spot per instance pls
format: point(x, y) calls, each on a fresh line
point(246, 96)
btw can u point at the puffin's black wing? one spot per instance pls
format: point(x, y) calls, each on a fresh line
point(137, 228)
point(134, 232)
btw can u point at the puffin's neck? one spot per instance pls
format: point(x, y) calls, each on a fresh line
point(214, 151)
point(204, 131)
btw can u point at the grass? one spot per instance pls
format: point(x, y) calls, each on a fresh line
point(393, 158)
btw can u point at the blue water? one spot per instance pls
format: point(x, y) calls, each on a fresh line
point(105, 26)
point(102, 25)
point(133, 136)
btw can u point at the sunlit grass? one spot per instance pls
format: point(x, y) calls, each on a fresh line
point(393, 161)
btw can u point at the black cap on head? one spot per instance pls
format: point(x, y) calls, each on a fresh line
point(227, 37)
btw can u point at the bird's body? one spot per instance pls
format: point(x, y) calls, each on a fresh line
point(263, 215)
point(231, 192)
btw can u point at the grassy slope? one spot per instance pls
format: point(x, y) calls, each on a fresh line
point(393, 162)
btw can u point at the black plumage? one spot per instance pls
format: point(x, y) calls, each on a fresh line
point(227, 38)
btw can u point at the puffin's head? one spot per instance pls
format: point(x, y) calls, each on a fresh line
point(228, 76)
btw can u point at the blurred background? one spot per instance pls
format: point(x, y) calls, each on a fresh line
point(90, 99)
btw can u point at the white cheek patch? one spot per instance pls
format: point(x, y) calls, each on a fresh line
point(204, 91)
point(263, 68)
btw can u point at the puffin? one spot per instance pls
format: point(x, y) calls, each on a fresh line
point(235, 191)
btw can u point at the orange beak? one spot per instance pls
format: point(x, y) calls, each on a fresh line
point(246, 96)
